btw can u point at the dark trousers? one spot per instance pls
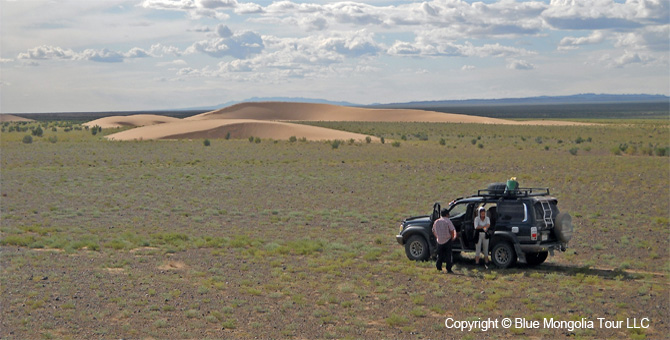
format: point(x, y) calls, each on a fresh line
point(444, 255)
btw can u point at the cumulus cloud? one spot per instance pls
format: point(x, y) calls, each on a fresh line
point(354, 44)
point(626, 59)
point(605, 14)
point(238, 45)
point(519, 65)
point(569, 43)
point(46, 52)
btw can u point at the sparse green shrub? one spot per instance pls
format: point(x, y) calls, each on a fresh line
point(27, 139)
point(257, 140)
point(38, 132)
point(251, 139)
point(573, 151)
point(546, 148)
point(382, 140)
point(538, 140)
point(480, 145)
point(396, 144)
point(292, 139)
point(368, 139)
point(227, 135)
point(206, 142)
point(662, 151)
point(403, 137)
point(352, 141)
point(473, 141)
point(443, 141)
point(335, 144)
point(396, 320)
point(579, 140)
point(53, 139)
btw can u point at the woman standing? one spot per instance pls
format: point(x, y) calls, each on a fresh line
point(482, 224)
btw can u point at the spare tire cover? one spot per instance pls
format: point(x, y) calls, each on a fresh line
point(563, 227)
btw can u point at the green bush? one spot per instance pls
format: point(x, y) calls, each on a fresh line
point(368, 139)
point(473, 141)
point(292, 139)
point(251, 139)
point(382, 140)
point(396, 144)
point(27, 139)
point(573, 151)
point(443, 141)
point(38, 132)
point(335, 144)
point(227, 136)
point(257, 140)
point(206, 142)
point(53, 139)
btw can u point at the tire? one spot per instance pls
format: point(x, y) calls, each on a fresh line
point(563, 228)
point(503, 255)
point(534, 259)
point(416, 248)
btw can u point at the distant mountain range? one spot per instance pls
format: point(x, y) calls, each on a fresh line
point(586, 98)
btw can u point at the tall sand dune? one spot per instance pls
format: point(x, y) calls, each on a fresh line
point(130, 121)
point(237, 128)
point(13, 118)
point(286, 111)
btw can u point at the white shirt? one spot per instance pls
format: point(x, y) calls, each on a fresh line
point(479, 224)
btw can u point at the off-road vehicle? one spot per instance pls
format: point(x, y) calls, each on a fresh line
point(525, 225)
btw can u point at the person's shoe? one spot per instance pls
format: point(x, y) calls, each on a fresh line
point(486, 265)
point(449, 271)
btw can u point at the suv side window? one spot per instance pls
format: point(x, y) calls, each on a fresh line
point(458, 211)
point(513, 212)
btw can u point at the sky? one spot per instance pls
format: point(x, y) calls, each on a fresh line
point(124, 55)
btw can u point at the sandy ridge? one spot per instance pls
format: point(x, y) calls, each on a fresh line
point(273, 120)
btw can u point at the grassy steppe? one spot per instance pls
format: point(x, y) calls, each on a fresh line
point(174, 239)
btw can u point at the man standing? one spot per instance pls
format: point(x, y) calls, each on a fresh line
point(445, 232)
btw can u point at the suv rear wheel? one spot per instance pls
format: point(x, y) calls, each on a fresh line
point(416, 248)
point(503, 254)
point(535, 259)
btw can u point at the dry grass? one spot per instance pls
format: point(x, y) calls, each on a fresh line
point(238, 239)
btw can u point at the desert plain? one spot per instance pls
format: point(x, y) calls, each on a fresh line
point(278, 220)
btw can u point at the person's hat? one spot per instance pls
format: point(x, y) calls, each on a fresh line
point(481, 209)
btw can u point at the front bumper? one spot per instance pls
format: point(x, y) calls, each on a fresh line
point(400, 239)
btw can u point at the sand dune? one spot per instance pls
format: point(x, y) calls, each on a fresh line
point(130, 121)
point(284, 111)
point(272, 120)
point(13, 118)
point(237, 128)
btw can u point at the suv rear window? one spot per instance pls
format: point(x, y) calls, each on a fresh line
point(513, 212)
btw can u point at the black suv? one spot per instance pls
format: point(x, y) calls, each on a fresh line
point(525, 224)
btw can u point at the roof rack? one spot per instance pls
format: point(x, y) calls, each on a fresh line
point(519, 192)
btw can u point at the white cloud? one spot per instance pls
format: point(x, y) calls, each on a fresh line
point(467, 67)
point(519, 65)
point(46, 52)
point(239, 45)
point(573, 42)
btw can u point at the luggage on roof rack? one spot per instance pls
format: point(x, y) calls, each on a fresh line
point(499, 190)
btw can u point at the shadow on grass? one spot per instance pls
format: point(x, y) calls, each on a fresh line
point(526, 269)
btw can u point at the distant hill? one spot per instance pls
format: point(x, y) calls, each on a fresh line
point(586, 98)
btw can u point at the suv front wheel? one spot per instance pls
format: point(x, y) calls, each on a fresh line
point(416, 248)
point(503, 254)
